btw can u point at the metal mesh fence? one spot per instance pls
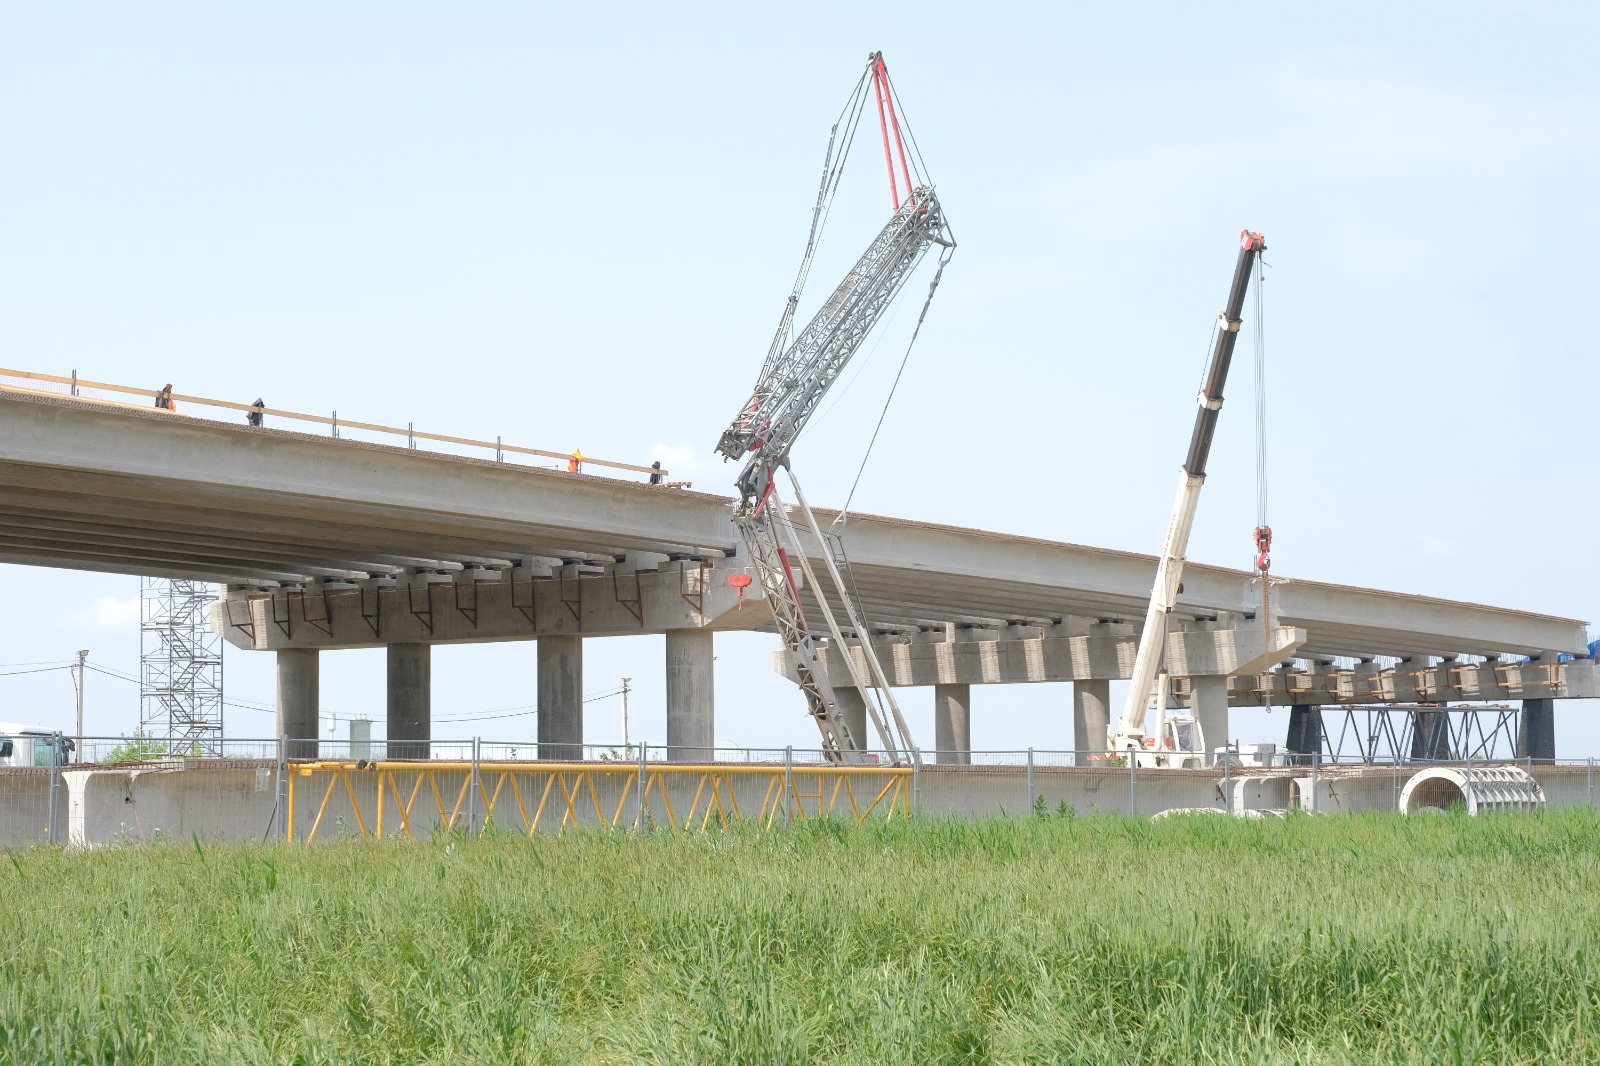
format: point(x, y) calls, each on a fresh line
point(113, 790)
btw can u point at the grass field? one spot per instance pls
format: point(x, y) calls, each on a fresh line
point(1350, 939)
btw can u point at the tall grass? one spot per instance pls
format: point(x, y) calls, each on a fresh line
point(1339, 940)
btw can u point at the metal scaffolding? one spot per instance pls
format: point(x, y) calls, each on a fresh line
point(180, 667)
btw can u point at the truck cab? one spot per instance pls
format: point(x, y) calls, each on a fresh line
point(32, 745)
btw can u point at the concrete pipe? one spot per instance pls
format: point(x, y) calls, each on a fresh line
point(1481, 789)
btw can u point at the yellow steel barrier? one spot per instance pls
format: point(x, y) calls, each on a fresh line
point(385, 795)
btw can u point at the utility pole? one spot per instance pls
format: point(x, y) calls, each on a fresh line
point(625, 682)
point(82, 655)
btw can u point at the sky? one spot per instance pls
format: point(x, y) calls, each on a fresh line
point(576, 226)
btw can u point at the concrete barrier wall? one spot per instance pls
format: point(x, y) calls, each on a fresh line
point(238, 800)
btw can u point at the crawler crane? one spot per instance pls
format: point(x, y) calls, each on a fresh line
point(799, 370)
point(1178, 740)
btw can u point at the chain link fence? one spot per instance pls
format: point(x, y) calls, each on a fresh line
point(108, 790)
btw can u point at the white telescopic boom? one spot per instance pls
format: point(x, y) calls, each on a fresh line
point(1169, 572)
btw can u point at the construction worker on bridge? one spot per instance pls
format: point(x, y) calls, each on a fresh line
point(164, 398)
point(258, 416)
point(575, 462)
point(655, 479)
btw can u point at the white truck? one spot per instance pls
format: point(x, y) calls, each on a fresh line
point(33, 745)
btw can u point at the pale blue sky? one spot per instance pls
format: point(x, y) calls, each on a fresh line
point(576, 225)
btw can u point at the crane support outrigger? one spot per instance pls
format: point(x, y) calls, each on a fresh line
point(793, 381)
point(1178, 740)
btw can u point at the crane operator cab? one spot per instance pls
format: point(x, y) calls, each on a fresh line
point(1181, 745)
point(22, 745)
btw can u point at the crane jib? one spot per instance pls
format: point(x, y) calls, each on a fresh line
point(1210, 400)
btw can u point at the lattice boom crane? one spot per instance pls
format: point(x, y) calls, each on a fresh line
point(796, 376)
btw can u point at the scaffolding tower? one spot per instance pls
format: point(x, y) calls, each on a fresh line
point(180, 667)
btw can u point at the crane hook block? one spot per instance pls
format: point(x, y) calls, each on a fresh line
point(1249, 241)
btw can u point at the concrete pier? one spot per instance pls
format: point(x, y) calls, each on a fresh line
point(952, 723)
point(410, 699)
point(853, 706)
point(691, 716)
point(299, 709)
point(1536, 731)
point(1210, 708)
point(1091, 716)
point(560, 698)
point(1305, 733)
point(1430, 736)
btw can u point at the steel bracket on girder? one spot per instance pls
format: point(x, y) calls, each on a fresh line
point(634, 606)
point(323, 624)
point(286, 623)
point(573, 606)
point(424, 616)
point(695, 597)
point(469, 613)
point(528, 608)
point(375, 619)
point(248, 626)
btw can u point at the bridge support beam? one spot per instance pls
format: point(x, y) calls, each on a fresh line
point(1430, 736)
point(1209, 704)
point(1305, 733)
point(691, 709)
point(410, 700)
point(952, 723)
point(1091, 716)
point(299, 709)
point(1536, 731)
point(560, 688)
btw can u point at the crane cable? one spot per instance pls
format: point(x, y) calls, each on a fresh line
point(1263, 533)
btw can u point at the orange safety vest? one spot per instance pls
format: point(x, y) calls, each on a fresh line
point(575, 461)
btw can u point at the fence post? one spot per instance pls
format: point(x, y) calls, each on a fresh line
point(639, 788)
point(788, 783)
point(54, 829)
point(1227, 780)
point(472, 787)
point(1133, 782)
point(916, 783)
point(1030, 780)
point(1316, 765)
point(282, 789)
point(1591, 782)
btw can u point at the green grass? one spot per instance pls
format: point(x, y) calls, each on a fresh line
point(1351, 939)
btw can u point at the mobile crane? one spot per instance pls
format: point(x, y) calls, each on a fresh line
point(795, 377)
point(1178, 740)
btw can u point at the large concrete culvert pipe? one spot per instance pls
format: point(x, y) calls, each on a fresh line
point(1481, 789)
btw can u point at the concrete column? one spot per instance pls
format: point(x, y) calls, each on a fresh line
point(299, 711)
point(410, 700)
point(1430, 735)
point(560, 697)
point(1209, 704)
point(691, 719)
point(853, 706)
point(1305, 733)
point(1536, 731)
point(952, 723)
point(1091, 716)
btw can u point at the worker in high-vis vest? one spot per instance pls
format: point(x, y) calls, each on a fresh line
point(575, 461)
point(164, 399)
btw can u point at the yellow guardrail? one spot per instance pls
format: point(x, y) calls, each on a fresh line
point(398, 798)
